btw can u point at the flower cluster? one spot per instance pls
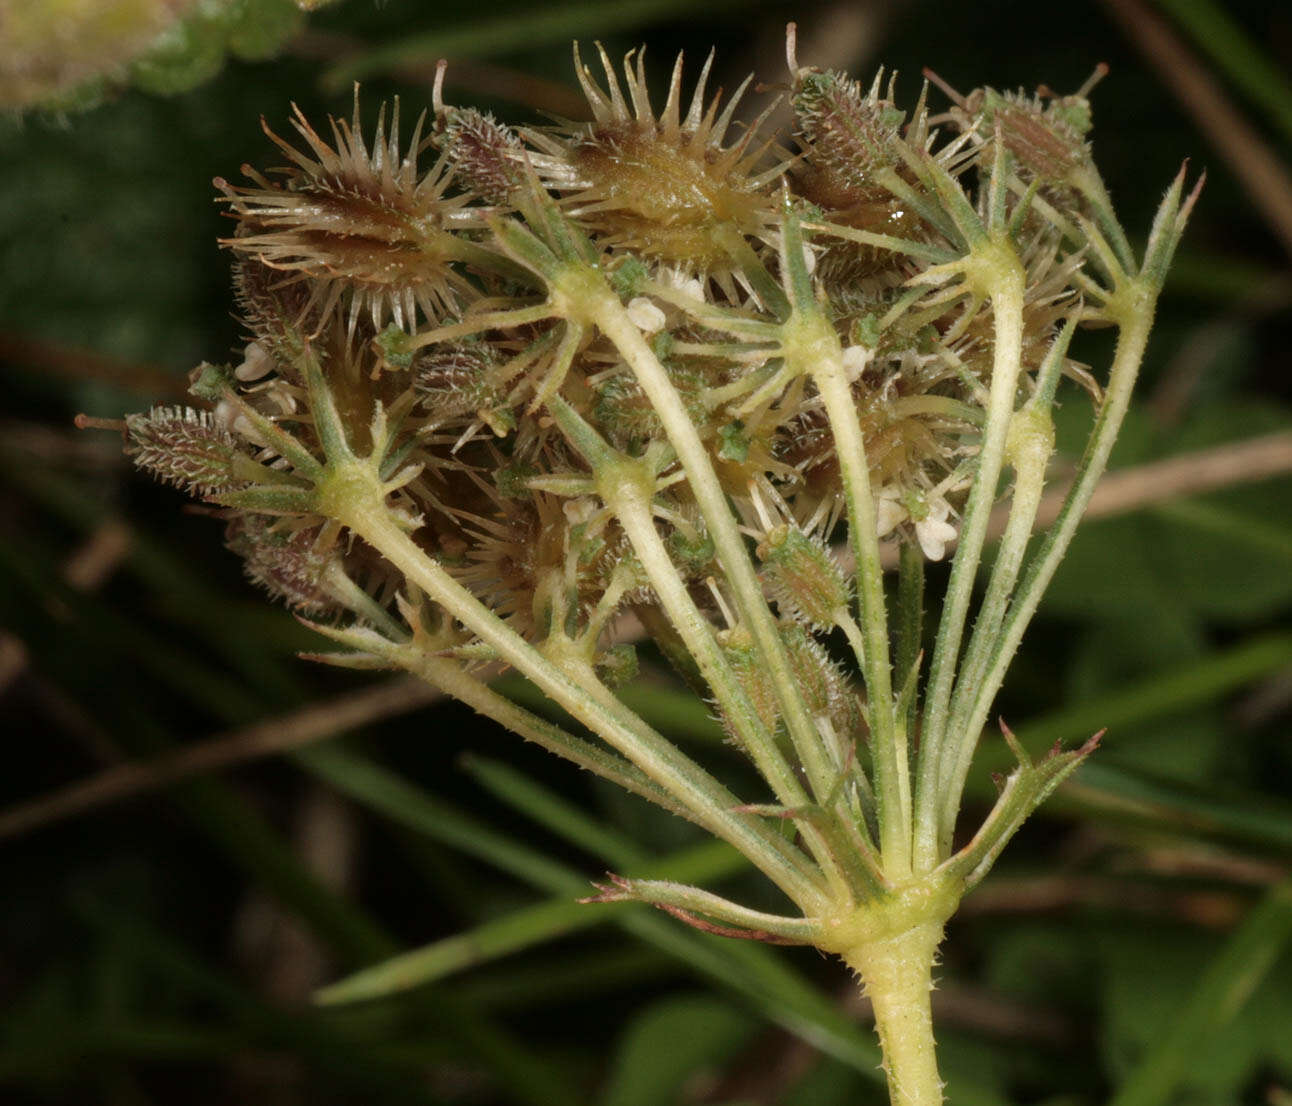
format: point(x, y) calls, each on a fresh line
point(504, 385)
point(376, 257)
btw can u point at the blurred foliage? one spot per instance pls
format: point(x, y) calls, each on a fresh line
point(68, 55)
point(1133, 940)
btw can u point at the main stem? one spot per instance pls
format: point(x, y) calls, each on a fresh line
point(897, 975)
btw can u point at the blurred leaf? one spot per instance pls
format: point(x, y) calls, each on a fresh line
point(66, 55)
point(750, 969)
point(561, 817)
point(670, 1042)
point(1226, 277)
point(345, 1059)
point(1179, 688)
point(1242, 60)
point(246, 838)
point(520, 929)
point(1219, 555)
point(1182, 744)
point(827, 1084)
point(1227, 814)
point(190, 53)
point(544, 25)
point(1198, 1043)
point(548, 980)
point(258, 29)
point(1228, 554)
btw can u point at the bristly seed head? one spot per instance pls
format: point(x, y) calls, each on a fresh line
point(410, 297)
point(289, 565)
point(487, 158)
point(803, 578)
point(186, 448)
point(363, 226)
point(665, 186)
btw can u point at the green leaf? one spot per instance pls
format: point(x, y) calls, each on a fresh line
point(520, 929)
point(1252, 69)
point(1225, 554)
point(542, 25)
point(1226, 1024)
point(672, 1041)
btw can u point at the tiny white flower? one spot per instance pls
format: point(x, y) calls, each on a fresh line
point(228, 415)
point(256, 363)
point(225, 414)
point(888, 511)
point(242, 428)
point(646, 316)
point(687, 285)
point(933, 531)
point(279, 394)
point(855, 360)
point(579, 511)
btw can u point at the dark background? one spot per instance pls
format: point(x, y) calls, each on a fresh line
point(163, 949)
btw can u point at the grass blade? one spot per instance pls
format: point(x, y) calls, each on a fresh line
point(522, 929)
point(1239, 58)
point(1224, 988)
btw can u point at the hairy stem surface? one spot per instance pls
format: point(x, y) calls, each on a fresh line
point(897, 975)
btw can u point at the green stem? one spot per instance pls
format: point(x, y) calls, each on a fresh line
point(910, 619)
point(733, 554)
point(897, 974)
point(844, 620)
point(816, 347)
point(639, 524)
point(1003, 279)
point(363, 510)
point(352, 493)
point(698, 905)
point(747, 262)
point(1091, 185)
point(627, 487)
point(1131, 341)
point(1031, 456)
